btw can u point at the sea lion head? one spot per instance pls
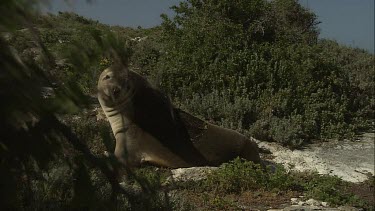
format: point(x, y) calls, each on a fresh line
point(114, 86)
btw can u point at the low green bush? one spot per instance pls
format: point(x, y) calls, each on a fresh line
point(239, 175)
point(331, 189)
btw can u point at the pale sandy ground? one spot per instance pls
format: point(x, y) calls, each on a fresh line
point(349, 160)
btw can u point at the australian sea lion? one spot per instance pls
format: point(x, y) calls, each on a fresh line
point(148, 129)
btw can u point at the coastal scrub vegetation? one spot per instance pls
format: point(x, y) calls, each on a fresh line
point(254, 66)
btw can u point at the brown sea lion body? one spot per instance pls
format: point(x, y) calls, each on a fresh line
point(148, 129)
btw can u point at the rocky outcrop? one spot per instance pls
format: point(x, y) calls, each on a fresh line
point(298, 204)
point(190, 174)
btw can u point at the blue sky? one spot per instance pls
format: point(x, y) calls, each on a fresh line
point(350, 22)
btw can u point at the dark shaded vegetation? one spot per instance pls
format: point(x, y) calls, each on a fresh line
point(51, 154)
point(254, 66)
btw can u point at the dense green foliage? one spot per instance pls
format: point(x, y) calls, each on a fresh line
point(239, 175)
point(75, 43)
point(258, 66)
point(254, 66)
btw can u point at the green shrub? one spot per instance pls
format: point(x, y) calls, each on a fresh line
point(240, 175)
point(254, 66)
point(150, 176)
point(243, 69)
point(331, 189)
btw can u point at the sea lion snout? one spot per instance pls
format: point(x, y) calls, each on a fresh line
point(113, 85)
point(116, 92)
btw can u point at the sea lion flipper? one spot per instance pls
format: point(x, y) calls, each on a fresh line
point(155, 114)
point(195, 127)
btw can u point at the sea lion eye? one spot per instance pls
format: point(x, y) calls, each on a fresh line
point(106, 77)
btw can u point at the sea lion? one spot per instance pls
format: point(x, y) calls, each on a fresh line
point(148, 129)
